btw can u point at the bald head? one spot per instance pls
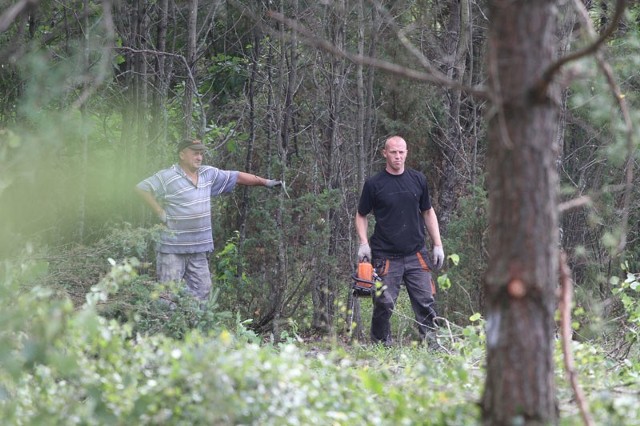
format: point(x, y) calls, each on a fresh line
point(394, 141)
point(395, 152)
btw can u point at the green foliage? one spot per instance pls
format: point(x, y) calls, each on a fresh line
point(628, 291)
point(226, 76)
point(60, 366)
point(74, 270)
point(31, 323)
point(228, 265)
point(95, 371)
point(246, 270)
point(150, 307)
point(142, 353)
point(444, 283)
point(167, 309)
point(595, 150)
point(236, 290)
point(466, 236)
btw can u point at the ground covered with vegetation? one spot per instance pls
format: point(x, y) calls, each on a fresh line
point(102, 362)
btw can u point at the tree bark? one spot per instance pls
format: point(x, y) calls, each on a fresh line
point(355, 316)
point(289, 74)
point(453, 150)
point(252, 124)
point(190, 88)
point(159, 128)
point(336, 84)
point(522, 277)
point(142, 90)
point(82, 202)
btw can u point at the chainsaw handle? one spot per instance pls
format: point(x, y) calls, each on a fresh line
point(360, 280)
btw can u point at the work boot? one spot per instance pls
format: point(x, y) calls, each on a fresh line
point(431, 340)
point(384, 343)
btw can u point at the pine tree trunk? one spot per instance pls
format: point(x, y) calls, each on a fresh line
point(522, 180)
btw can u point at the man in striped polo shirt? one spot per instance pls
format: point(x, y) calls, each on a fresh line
point(181, 198)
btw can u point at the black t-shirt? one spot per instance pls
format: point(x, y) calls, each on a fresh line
point(397, 202)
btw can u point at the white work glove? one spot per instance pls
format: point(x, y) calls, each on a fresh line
point(162, 216)
point(271, 183)
point(364, 251)
point(438, 257)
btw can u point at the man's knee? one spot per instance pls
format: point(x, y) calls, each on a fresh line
point(383, 307)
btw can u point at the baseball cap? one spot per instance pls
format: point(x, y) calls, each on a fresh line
point(194, 144)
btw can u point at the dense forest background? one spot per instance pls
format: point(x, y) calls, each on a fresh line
point(96, 101)
point(95, 96)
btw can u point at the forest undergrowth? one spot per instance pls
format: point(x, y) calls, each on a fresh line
point(123, 355)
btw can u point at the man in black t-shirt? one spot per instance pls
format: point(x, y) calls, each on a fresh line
point(399, 200)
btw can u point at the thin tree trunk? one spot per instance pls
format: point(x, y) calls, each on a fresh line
point(142, 98)
point(355, 327)
point(522, 181)
point(289, 75)
point(336, 91)
point(190, 89)
point(244, 212)
point(370, 116)
point(128, 118)
point(159, 127)
point(85, 137)
point(324, 312)
point(454, 149)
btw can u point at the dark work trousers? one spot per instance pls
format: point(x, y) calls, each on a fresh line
point(415, 273)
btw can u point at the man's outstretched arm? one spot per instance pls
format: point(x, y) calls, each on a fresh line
point(249, 179)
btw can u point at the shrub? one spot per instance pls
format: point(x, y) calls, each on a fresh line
point(64, 366)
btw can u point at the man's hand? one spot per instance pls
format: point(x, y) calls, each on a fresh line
point(364, 251)
point(271, 183)
point(438, 257)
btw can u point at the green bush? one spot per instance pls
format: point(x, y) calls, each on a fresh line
point(465, 238)
point(64, 366)
point(74, 269)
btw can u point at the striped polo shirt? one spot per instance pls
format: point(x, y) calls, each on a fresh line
point(188, 207)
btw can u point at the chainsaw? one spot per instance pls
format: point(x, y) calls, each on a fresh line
point(365, 281)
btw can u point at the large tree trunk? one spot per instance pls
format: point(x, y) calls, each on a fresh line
point(522, 275)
